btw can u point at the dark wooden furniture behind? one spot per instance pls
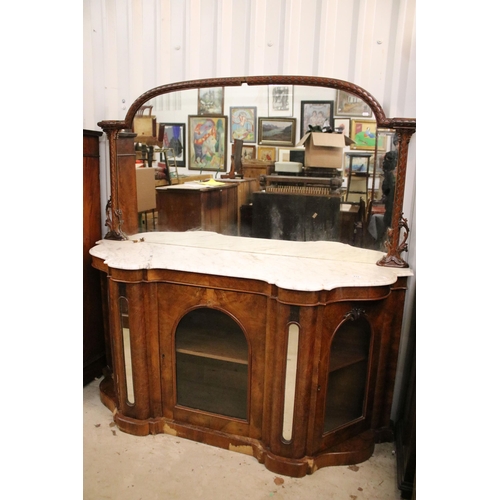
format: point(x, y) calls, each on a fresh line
point(246, 187)
point(406, 426)
point(255, 168)
point(94, 354)
point(181, 208)
point(351, 224)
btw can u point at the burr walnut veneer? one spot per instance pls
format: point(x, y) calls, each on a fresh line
point(285, 351)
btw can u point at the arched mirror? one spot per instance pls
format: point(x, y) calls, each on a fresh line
point(281, 157)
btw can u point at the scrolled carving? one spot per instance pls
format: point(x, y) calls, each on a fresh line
point(394, 248)
point(112, 234)
point(403, 224)
point(114, 219)
point(355, 313)
point(393, 259)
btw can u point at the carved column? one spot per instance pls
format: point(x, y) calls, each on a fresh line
point(113, 211)
point(393, 245)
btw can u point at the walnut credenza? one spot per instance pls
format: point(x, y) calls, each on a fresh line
point(285, 351)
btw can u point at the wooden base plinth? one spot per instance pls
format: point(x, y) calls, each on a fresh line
point(351, 451)
point(107, 393)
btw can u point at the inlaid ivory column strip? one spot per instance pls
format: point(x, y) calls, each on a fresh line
point(290, 380)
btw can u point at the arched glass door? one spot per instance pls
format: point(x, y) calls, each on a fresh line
point(347, 374)
point(212, 363)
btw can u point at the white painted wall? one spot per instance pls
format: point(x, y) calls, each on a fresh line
point(130, 46)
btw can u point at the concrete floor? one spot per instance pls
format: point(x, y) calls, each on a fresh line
point(120, 466)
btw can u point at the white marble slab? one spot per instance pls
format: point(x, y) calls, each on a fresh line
point(293, 265)
point(194, 186)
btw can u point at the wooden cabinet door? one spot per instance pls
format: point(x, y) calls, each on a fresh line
point(350, 347)
point(212, 341)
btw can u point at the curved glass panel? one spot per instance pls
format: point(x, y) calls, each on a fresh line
point(212, 363)
point(347, 376)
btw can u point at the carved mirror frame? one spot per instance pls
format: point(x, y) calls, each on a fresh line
point(404, 128)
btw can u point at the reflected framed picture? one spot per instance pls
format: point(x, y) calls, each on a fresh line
point(348, 104)
point(280, 99)
point(248, 152)
point(211, 101)
point(243, 123)
point(267, 153)
point(364, 134)
point(342, 126)
point(315, 114)
point(206, 143)
point(173, 139)
point(277, 131)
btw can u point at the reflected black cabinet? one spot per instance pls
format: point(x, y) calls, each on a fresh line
point(295, 217)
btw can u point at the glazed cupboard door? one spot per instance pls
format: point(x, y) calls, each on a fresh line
point(347, 382)
point(211, 357)
point(350, 346)
point(212, 347)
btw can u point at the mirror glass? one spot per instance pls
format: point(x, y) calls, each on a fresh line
point(191, 139)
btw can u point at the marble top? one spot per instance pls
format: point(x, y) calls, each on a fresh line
point(293, 265)
point(195, 185)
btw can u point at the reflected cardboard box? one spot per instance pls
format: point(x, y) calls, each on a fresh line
point(324, 149)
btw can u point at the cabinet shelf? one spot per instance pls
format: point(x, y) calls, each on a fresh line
point(339, 360)
point(345, 394)
point(213, 343)
point(350, 346)
point(338, 419)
